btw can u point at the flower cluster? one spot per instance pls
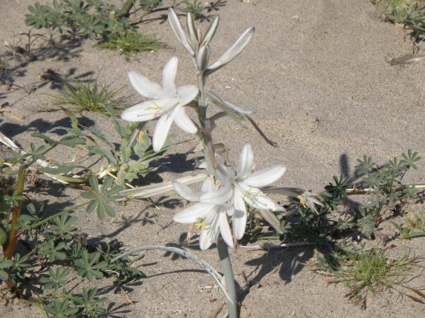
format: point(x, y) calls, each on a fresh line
point(238, 189)
point(225, 194)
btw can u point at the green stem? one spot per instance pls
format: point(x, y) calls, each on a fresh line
point(46, 220)
point(16, 212)
point(226, 265)
point(125, 11)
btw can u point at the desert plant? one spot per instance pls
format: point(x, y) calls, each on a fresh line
point(88, 97)
point(372, 271)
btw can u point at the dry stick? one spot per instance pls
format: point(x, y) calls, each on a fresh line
point(268, 246)
point(366, 191)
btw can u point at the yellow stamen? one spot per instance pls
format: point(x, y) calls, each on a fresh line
point(140, 136)
point(156, 108)
point(201, 224)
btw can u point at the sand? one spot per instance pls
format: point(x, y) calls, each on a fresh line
point(316, 73)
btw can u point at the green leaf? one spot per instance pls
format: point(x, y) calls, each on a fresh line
point(100, 197)
point(104, 153)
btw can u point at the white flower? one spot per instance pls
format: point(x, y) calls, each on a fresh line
point(167, 103)
point(211, 213)
point(246, 188)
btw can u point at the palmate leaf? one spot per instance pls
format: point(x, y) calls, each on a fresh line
point(60, 308)
point(63, 226)
point(90, 303)
point(365, 166)
point(89, 266)
point(38, 16)
point(55, 279)
point(410, 159)
point(100, 197)
point(4, 264)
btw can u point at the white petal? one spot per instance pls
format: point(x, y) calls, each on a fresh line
point(225, 229)
point(239, 216)
point(169, 75)
point(207, 186)
point(229, 209)
point(183, 121)
point(147, 110)
point(233, 52)
point(258, 200)
point(147, 88)
point(265, 177)
point(207, 237)
point(187, 93)
point(246, 161)
point(161, 131)
point(179, 32)
point(193, 214)
point(185, 192)
point(217, 197)
point(224, 173)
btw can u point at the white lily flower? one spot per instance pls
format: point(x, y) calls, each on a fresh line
point(246, 188)
point(167, 103)
point(211, 213)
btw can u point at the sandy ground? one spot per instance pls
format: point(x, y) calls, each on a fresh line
point(317, 76)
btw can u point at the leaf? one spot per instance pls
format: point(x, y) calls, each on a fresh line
point(104, 153)
point(100, 198)
point(271, 218)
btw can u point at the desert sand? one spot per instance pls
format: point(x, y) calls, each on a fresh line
point(317, 76)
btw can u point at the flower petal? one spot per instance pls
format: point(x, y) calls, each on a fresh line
point(217, 197)
point(187, 93)
point(161, 130)
point(258, 200)
point(147, 88)
point(169, 75)
point(207, 237)
point(239, 216)
point(179, 32)
point(246, 162)
point(225, 229)
point(183, 121)
point(231, 53)
point(147, 110)
point(224, 173)
point(185, 192)
point(193, 213)
point(265, 177)
point(207, 186)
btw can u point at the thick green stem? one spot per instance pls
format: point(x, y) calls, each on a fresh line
point(209, 156)
point(226, 265)
point(16, 212)
point(125, 11)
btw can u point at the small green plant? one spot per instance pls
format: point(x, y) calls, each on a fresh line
point(130, 42)
point(406, 233)
point(408, 13)
point(416, 221)
point(88, 97)
point(366, 272)
point(103, 22)
point(195, 7)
